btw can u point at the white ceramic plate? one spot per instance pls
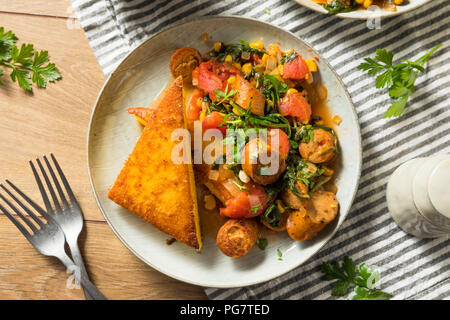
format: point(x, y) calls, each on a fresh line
point(362, 14)
point(112, 134)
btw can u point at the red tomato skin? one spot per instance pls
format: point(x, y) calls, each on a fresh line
point(213, 75)
point(283, 141)
point(236, 208)
point(296, 69)
point(212, 121)
point(192, 110)
point(295, 105)
point(240, 206)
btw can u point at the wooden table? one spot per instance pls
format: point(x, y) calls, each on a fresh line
point(56, 120)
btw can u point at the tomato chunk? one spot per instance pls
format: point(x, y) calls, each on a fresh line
point(249, 203)
point(192, 109)
point(295, 105)
point(212, 121)
point(296, 69)
point(213, 75)
point(283, 141)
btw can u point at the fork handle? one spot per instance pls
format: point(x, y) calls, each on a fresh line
point(77, 258)
point(87, 285)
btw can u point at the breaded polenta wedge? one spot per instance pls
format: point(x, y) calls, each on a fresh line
point(151, 185)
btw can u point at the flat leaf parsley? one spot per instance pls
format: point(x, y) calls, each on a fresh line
point(362, 278)
point(399, 78)
point(28, 66)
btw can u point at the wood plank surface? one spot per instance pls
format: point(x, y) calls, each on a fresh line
point(55, 8)
point(25, 274)
point(56, 120)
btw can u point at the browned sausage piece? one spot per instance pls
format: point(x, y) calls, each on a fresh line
point(320, 149)
point(260, 173)
point(237, 236)
point(306, 222)
point(183, 62)
point(291, 199)
point(248, 95)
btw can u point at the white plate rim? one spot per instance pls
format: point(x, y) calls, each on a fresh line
point(174, 276)
point(363, 14)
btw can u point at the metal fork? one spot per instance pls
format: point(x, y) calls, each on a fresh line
point(46, 235)
point(68, 215)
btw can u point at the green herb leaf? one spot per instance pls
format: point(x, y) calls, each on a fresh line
point(338, 6)
point(363, 279)
point(399, 78)
point(262, 243)
point(255, 209)
point(22, 77)
point(23, 64)
point(397, 107)
point(280, 255)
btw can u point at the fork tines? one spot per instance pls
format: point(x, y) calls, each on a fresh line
point(29, 215)
point(63, 201)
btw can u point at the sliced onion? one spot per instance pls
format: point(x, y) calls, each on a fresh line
point(271, 63)
point(245, 55)
point(232, 188)
point(213, 175)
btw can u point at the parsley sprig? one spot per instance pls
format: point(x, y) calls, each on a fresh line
point(362, 278)
point(399, 78)
point(28, 66)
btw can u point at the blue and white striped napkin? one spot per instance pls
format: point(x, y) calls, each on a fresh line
point(411, 268)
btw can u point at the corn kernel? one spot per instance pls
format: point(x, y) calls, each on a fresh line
point(202, 115)
point(292, 90)
point(210, 202)
point(280, 206)
point(247, 68)
point(199, 102)
point(273, 49)
point(231, 80)
point(367, 3)
point(312, 66)
point(217, 46)
point(327, 171)
point(229, 59)
point(237, 65)
point(337, 120)
point(257, 45)
point(264, 58)
point(236, 111)
point(398, 2)
point(280, 69)
point(359, 1)
point(319, 122)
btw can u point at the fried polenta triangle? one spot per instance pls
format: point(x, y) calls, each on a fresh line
point(151, 185)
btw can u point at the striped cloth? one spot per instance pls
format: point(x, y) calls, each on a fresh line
point(411, 268)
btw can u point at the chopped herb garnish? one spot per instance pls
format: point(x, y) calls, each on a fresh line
point(225, 96)
point(280, 255)
point(289, 57)
point(255, 209)
point(262, 243)
point(266, 10)
point(339, 6)
point(242, 188)
point(273, 89)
